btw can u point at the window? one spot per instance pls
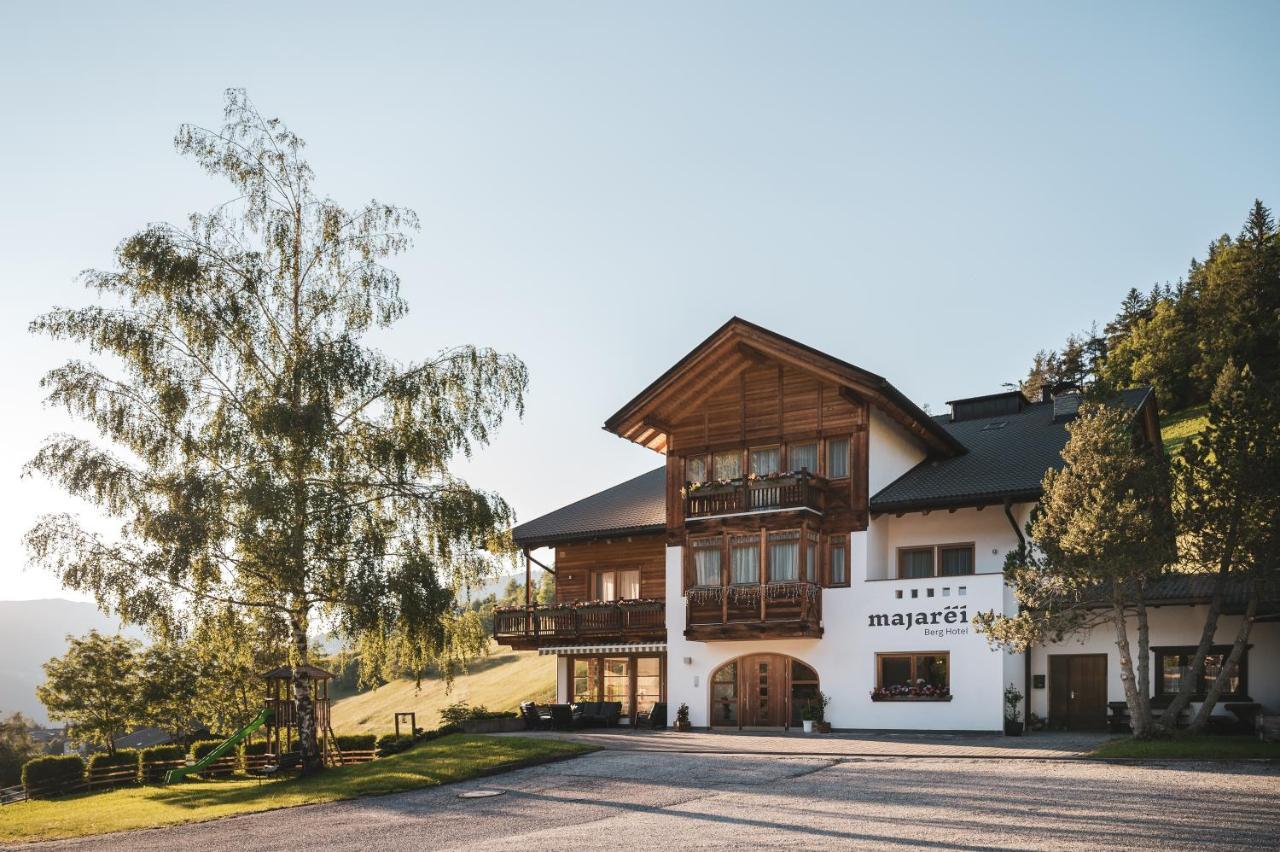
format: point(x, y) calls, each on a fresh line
point(955, 560)
point(784, 556)
point(803, 457)
point(617, 682)
point(839, 575)
point(837, 458)
point(1174, 664)
point(728, 465)
point(695, 469)
point(944, 560)
point(804, 689)
point(724, 695)
point(915, 562)
point(586, 680)
point(744, 560)
point(617, 585)
point(706, 561)
point(765, 461)
point(648, 683)
point(913, 676)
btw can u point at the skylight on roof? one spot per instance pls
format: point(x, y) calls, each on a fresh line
point(995, 424)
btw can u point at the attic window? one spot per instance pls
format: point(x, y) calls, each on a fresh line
point(995, 424)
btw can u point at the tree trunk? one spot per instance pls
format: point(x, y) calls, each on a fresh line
point(304, 701)
point(1144, 664)
point(1233, 659)
point(1141, 722)
point(1169, 721)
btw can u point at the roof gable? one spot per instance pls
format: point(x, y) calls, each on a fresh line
point(737, 346)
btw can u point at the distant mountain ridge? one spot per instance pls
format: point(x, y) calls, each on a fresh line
point(34, 632)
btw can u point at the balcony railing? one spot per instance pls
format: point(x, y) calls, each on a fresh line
point(770, 610)
point(794, 491)
point(623, 621)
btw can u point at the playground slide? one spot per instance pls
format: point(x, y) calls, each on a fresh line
point(234, 740)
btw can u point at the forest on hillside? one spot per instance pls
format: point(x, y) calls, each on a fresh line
point(1178, 337)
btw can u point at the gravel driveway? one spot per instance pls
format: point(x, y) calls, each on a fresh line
point(636, 800)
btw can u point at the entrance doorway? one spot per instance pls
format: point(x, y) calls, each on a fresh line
point(761, 691)
point(1078, 692)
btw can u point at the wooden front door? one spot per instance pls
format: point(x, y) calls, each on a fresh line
point(1078, 692)
point(763, 687)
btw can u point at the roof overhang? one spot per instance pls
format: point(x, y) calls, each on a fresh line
point(615, 648)
point(534, 542)
point(739, 344)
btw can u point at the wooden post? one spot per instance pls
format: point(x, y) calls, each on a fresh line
point(725, 556)
point(764, 564)
point(528, 595)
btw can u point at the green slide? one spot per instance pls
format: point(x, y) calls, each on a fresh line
point(234, 740)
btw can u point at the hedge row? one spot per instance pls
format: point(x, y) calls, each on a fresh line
point(356, 742)
point(157, 761)
point(52, 774)
point(102, 761)
point(389, 744)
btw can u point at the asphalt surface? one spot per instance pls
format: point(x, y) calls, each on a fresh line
point(634, 800)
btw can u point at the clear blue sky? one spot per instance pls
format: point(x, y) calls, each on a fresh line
point(932, 193)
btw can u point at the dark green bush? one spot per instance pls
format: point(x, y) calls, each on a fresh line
point(52, 774)
point(102, 761)
point(456, 714)
point(151, 773)
point(356, 742)
point(258, 747)
point(389, 744)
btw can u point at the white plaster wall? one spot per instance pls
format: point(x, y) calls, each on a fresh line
point(564, 680)
point(1170, 625)
point(988, 529)
point(844, 657)
point(891, 451)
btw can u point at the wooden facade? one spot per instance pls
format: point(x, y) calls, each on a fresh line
point(578, 563)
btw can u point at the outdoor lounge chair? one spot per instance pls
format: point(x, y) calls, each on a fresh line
point(563, 717)
point(534, 719)
point(654, 717)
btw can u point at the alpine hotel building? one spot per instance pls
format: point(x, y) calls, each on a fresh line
point(813, 529)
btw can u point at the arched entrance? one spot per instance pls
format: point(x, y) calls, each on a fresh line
point(761, 691)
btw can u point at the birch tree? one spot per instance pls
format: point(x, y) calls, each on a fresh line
point(257, 453)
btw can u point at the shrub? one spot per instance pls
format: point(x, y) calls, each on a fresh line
point(259, 747)
point(389, 744)
point(52, 774)
point(456, 714)
point(102, 763)
point(356, 742)
point(201, 748)
point(156, 762)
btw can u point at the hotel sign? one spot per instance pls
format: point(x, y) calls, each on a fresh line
point(948, 621)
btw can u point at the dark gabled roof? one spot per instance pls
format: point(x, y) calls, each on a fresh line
point(1003, 463)
point(638, 505)
point(1198, 589)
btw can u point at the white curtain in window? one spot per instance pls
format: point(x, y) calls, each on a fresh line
point(784, 561)
point(955, 561)
point(628, 585)
point(744, 563)
point(764, 462)
point(706, 563)
point(915, 563)
point(837, 561)
point(696, 469)
point(606, 587)
point(728, 465)
point(803, 457)
point(838, 458)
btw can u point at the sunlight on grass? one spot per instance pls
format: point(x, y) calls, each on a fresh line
point(1179, 426)
point(453, 758)
point(1200, 746)
point(499, 681)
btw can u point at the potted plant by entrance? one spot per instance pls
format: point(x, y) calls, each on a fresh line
point(682, 718)
point(1012, 711)
point(820, 723)
point(806, 717)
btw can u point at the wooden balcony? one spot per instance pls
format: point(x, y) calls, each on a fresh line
point(769, 611)
point(784, 493)
point(523, 628)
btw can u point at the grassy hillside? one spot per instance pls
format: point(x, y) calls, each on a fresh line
point(500, 682)
point(1176, 428)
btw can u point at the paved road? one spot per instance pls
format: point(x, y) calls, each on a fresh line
point(636, 800)
point(844, 744)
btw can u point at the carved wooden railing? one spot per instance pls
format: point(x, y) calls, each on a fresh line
point(797, 491)
point(793, 604)
point(595, 620)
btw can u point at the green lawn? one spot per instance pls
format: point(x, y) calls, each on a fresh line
point(1201, 746)
point(1177, 427)
point(452, 758)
